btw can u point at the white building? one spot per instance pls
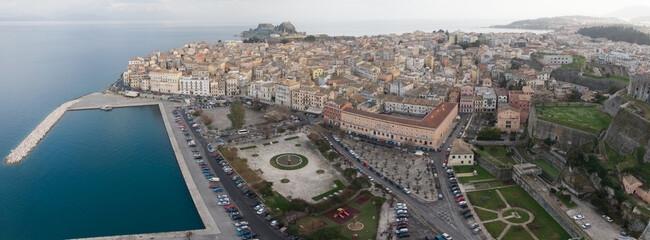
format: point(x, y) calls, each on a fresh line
point(557, 59)
point(193, 85)
point(460, 154)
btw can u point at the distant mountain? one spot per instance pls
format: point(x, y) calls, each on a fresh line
point(644, 19)
point(555, 23)
point(631, 12)
point(264, 30)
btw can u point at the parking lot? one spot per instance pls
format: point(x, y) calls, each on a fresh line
point(600, 228)
point(403, 167)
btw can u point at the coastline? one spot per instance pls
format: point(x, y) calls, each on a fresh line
point(96, 101)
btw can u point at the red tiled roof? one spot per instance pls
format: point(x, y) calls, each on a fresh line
point(431, 120)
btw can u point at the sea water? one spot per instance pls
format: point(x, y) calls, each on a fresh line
point(97, 173)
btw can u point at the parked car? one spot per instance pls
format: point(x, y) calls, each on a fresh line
point(446, 236)
point(585, 226)
point(473, 226)
point(469, 215)
point(476, 230)
point(242, 223)
point(439, 196)
point(607, 218)
point(463, 212)
point(578, 217)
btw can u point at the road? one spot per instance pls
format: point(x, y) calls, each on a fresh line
point(439, 216)
point(257, 224)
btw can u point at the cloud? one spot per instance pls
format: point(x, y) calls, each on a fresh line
point(310, 10)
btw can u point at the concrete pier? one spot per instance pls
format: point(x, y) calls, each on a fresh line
point(26, 146)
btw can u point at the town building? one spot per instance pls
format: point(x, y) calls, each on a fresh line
point(408, 106)
point(461, 154)
point(633, 186)
point(426, 132)
point(193, 85)
point(164, 81)
point(283, 91)
point(508, 119)
point(332, 111)
point(308, 99)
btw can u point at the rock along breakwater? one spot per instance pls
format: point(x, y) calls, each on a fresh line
point(19, 153)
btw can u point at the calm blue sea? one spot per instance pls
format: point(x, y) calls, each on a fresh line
point(106, 173)
point(97, 173)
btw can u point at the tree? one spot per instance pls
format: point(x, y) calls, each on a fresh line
point(237, 114)
point(574, 97)
point(489, 134)
point(612, 89)
point(285, 41)
point(575, 157)
point(310, 38)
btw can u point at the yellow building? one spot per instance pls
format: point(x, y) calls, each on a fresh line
point(315, 73)
point(508, 119)
point(427, 132)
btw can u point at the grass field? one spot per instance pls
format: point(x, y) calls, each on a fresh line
point(585, 118)
point(485, 215)
point(495, 228)
point(544, 226)
point(577, 64)
point(547, 168)
point(486, 199)
point(518, 233)
point(482, 173)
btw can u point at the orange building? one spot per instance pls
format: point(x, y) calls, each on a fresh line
point(332, 111)
point(427, 132)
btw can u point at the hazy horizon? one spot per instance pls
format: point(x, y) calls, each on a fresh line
point(307, 11)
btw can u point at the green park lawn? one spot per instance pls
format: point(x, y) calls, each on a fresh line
point(487, 199)
point(485, 215)
point(544, 226)
point(518, 232)
point(495, 228)
point(482, 173)
point(585, 118)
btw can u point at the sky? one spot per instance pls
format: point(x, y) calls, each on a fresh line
point(252, 11)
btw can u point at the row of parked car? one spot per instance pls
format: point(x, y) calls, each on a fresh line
point(401, 219)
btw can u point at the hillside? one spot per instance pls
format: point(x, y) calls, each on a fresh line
point(555, 23)
point(617, 33)
point(266, 29)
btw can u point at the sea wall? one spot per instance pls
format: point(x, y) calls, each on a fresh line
point(628, 131)
point(565, 137)
point(25, 147)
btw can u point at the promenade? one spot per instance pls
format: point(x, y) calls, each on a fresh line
point(20, 152)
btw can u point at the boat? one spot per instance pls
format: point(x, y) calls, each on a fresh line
point(106, 107)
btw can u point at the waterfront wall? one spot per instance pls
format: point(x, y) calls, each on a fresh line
point(20, 152)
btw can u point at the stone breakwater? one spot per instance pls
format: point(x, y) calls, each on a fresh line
point(19, 153)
